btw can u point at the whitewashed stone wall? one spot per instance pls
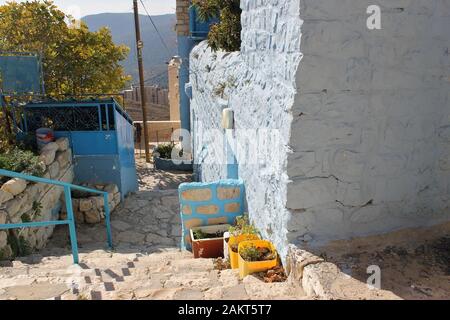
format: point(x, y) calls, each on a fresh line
point(363, 116)
point(22, 201)
point(258, 83)
point(371, 123)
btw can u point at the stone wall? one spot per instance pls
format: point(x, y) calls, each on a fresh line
point(371, 123)
point(90, 208)
point(22, 201)
point(258, 83)
point(182, 17)
point(362, 116)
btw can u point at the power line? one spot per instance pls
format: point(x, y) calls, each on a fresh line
point(156, 29)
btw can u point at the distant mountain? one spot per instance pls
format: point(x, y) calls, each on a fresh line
point(155, 54)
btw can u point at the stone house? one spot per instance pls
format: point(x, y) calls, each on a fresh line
point(340, 130)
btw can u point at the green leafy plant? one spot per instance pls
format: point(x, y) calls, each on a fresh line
point(200, 234)
point(20, 247)
point(37, 208)
point(253, 253)
point(164, 150)
point(226, 34)
point(25, 218)
point(243, 226)
point(21, 161)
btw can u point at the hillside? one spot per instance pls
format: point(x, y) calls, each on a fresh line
point(155, 54)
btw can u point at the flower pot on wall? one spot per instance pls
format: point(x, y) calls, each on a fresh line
point(234, 256)
point(209, 247)
point(249, 267)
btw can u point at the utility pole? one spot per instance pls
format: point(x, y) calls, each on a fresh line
point(139, 46)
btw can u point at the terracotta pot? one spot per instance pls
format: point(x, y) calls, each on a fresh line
point(208, 248)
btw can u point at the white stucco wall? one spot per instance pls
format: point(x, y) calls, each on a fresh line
point(260, 88)
point(371, 122)
point(363, 116)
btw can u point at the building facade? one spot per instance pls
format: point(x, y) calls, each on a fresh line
point(340, 130)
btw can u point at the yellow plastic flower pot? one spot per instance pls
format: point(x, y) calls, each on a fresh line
point(234, 256)
point(249, 267)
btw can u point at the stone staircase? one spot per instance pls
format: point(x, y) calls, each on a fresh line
point(101, 275)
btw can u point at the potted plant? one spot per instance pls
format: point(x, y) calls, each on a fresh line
point(242, 231)
point(256, 256)
point(163, 157)
point(207, 242)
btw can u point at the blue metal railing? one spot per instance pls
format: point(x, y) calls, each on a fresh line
point(70, 221)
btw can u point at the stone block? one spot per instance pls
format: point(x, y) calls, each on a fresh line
point(3, 216)
point(6, 253)
point(3, 239)
point(98, 202)
point(52, 146)
point(14, 186)
point(14, 206)
point(111, 188)
point(197, 195)
point(86, 204)
point(228, 193)
point(92, 216)
point(47, 156)
point(210, 209)
point(5, 196)
point(64, 158)
point(63, 144)
point(53, 169)
point(297, 260)
point(79, 216)
point(234, 207)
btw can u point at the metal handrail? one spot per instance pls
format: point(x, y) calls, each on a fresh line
point(70, 221)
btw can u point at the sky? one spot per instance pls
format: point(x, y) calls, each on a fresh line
point(81, 8)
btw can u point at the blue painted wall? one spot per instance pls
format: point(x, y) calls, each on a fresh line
point(215, 201)
point(185, 45)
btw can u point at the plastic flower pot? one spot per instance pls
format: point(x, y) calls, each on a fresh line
point(249, 267)
point(234, 256)
point(210, 247)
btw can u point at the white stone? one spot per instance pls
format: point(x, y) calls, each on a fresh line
point(3, 239)
point(3, 216)
point(92, 216)
point(63, 144)
point(47, 156)
point(53, 169)
point(52, 146)
point(64, 158)
point(5, 196)
point(14, 186)
point(86, 204)
point(111, 188)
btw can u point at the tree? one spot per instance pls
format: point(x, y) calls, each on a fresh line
point(226, 34)
point(75, 60)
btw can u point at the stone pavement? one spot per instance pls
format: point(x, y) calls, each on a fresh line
point(145, 263)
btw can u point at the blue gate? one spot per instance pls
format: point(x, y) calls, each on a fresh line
point(100, 134)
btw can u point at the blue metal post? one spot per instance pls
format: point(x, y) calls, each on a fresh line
point(72, 230)
point(108, 221)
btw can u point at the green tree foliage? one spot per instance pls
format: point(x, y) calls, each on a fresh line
point(225, 35)
point(75, 60)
